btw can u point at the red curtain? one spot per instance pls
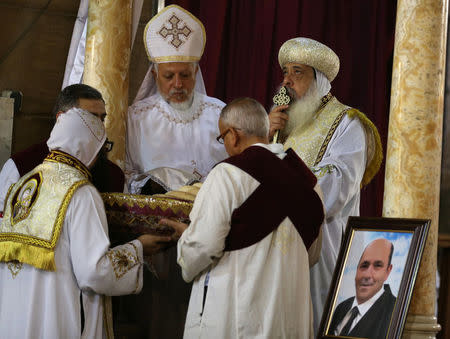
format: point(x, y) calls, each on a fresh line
point(241, 54)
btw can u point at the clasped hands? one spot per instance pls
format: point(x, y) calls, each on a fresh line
point(152, 244)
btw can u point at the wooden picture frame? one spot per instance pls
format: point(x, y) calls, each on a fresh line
point(379, 314)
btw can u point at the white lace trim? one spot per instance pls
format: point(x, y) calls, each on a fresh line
point(173, 115)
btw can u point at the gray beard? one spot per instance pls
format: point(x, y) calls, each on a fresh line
point(183, 111)
point(302, 111)
point(185, 105)
point(179, 106)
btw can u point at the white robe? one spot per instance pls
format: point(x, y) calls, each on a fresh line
point(160, 136)
point(43, 304)
point(9, 175)
point(259, 291)
point(345, 159)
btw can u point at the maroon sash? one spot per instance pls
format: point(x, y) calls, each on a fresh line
point(286, 190)
point(106, 175)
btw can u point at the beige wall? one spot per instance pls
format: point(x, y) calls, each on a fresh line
point(444, 208)
point(35, 66)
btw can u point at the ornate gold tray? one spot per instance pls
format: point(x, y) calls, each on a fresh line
point(130, 215)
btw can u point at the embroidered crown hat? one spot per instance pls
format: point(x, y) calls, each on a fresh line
point(174, 35)
point(78, 133)
point(312, 53)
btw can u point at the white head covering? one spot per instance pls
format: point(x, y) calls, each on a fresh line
point(173, 35)
point(78, 133)
point(322, 83)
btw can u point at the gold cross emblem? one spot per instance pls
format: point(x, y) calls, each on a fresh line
point(175, 31)
point(282, 97)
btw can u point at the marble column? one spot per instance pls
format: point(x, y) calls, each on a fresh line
point(413, 161)
point(107, 58)
point(6, 128)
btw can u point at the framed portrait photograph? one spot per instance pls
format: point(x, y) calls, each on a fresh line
point(374, 278)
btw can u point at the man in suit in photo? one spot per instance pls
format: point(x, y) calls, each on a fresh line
point(368, 313)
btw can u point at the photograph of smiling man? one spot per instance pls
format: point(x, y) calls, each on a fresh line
point(365, 309)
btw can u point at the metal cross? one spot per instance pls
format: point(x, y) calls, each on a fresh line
point(282, 97)
point(175, 31)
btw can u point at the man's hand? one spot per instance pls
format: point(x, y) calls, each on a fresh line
point(179, 227)
point(277, 119)
point(152, 244)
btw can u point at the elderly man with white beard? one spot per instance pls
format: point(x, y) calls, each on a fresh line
point(338, 143)
point(172, 123)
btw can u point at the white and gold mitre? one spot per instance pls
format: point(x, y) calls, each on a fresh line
point(312, 53)
point(174, 35)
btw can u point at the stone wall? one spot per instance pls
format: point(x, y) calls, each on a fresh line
point(33, 51)
point(6, 128)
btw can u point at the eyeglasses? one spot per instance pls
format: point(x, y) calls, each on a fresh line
point(108, 146)
point(220, 138)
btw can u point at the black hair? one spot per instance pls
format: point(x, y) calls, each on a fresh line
point(390, 254)
point(70, 95)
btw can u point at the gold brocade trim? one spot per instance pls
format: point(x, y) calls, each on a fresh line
point(307, 141)
point(141, 201)
point(7, 196)
point(63, 209)
point(65, 158)
point(32, 250)
point(374, 163)
point(324, 100)
point(325, 143)
point(107, 316)
point(311, 142)
point(140, 263)
point(174, 58)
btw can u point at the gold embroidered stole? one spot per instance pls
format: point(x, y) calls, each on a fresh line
point(311, 141)
point(35, 210)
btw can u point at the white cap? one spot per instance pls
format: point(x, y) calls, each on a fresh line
point(161, 49)
point(78, 133)
point(174, 35)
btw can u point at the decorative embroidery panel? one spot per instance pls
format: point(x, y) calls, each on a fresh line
point(52, 199)
point(123, 260)
point(25, 197)
point(282, 238)
point(175, 31)
point(320, 172)
point(64, 158)
point(14, 267)
point(31, 226)
point(142, 201)
point(170, 114)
